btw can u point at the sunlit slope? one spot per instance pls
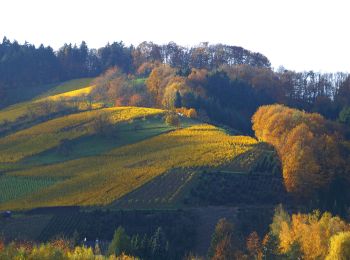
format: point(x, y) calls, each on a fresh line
point(67, 89)
point(70, 94)
point(46, 135)
point(123, 133)
point(67, 86)
point(99, 180)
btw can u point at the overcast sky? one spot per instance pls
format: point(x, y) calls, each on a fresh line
point(298, 34)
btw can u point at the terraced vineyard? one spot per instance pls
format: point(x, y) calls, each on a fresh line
point(124, 133)
point(234, 189)
point(24, 227)
point(144, 163)
point(47, 135)
point(13, 187)
point(99, 180)
point(165, 190)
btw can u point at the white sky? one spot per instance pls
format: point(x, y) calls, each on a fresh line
point(298, 34)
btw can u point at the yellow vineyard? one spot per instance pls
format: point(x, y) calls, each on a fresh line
point(69, 89)
point(47, 135)
point(70, 94)
point(99, 180)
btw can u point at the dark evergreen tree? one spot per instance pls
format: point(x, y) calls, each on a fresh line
point(159, 245)
point(177, 101)
point(120, 243)
point(344, 116)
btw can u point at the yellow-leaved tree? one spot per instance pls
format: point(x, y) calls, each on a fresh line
point(312, 234)
point(306, 144)
point(339, 248)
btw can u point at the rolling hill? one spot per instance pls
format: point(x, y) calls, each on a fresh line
point(98, 168)
point(122, 158)
point(69, 88)
point(103, 178)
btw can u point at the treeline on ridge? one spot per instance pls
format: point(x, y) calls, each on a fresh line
point(24, 65)
point(228, 95)
point(226, 83)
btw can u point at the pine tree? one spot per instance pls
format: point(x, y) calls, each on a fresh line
point(136, 245)
point(178, 100)
point(120, 243)
point(159, 245)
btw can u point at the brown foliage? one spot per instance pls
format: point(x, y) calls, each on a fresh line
point(61, 243)
point(190, 113)
point(307, 146)
point(312, 232)
point(172, 120)
point(146, 68)
point(158, 80)
point(254, 245)
point(224, 249)
point(135, 100)
point(261, 79)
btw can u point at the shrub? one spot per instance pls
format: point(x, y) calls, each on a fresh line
point(187, 112)
point(172, 120)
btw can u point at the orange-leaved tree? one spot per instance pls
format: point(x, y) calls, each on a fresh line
point(306, 144)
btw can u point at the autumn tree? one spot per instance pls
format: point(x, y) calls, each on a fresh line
point(117, 88)
point(311, 233)
point(254, 245)
point(269, 248)
point(339, 247)
point(175, 55)
point(172, 119)
point(158, 80)
point(103, 126)
point(146, 68)
point(172, 92)
point(146, 52)
point(306, 144)
point(221, 239)
point(224, 249)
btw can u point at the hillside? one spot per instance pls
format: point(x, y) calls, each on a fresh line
point(69, 160)
point(102, 178)
point(15, 111)
point(160, 150)
point(110, 159)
